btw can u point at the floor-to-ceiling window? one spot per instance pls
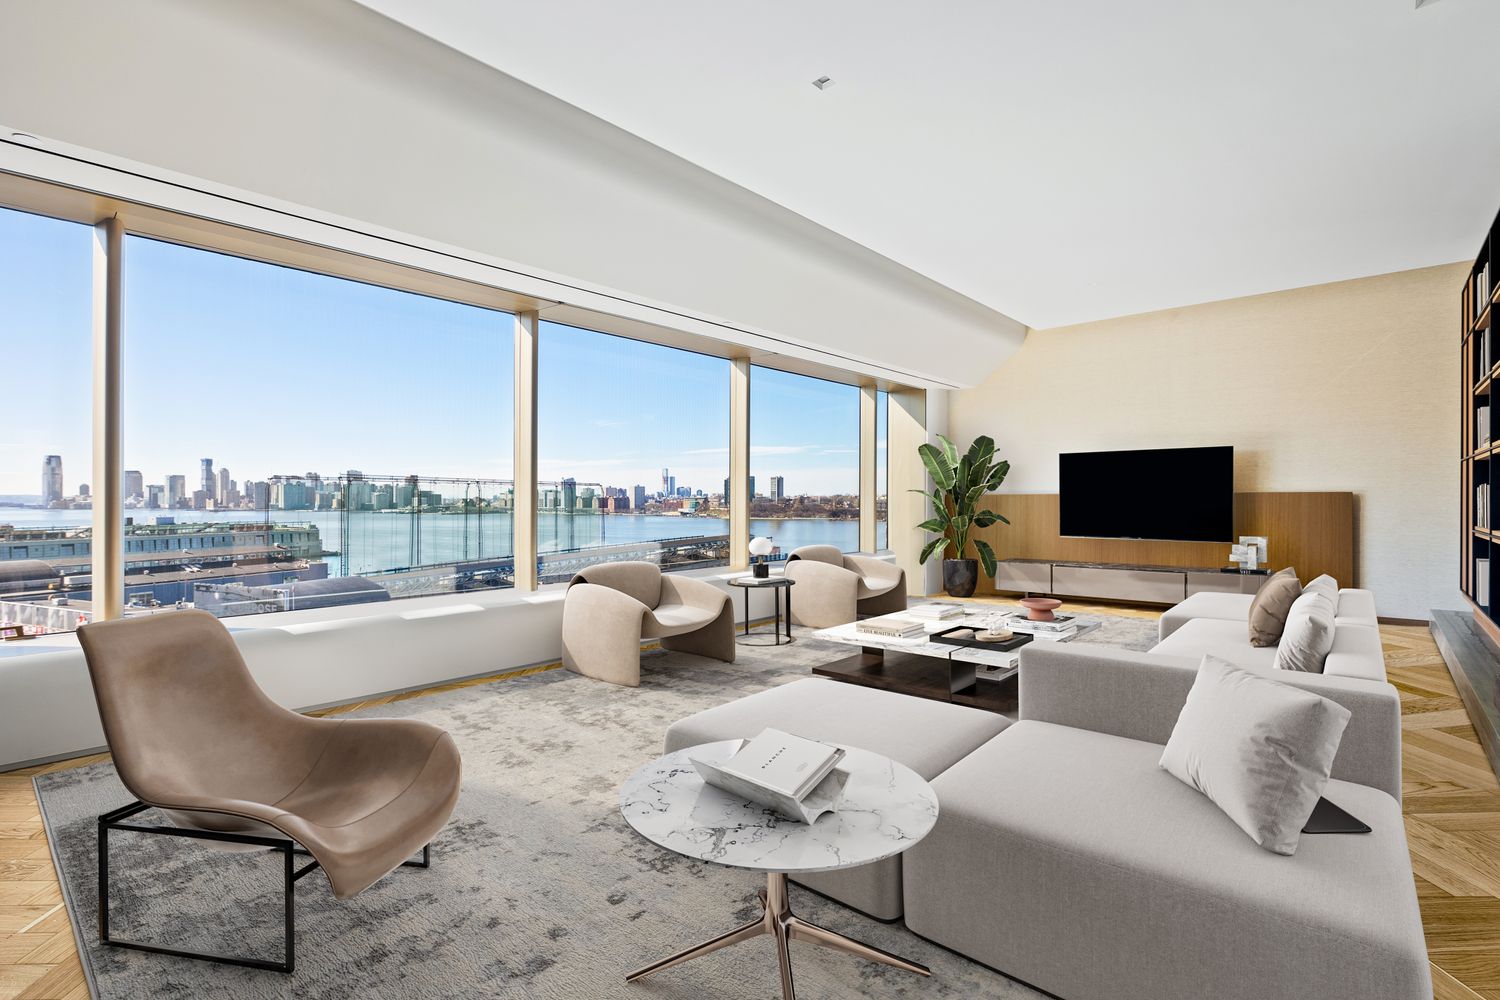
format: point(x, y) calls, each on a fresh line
point(632, 453)
point(882, 469)
point(804, 460)
point(45, 423)
point(295, 440)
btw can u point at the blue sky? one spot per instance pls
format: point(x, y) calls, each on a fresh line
point(269, 370)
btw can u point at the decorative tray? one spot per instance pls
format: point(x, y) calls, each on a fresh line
point(968, 635)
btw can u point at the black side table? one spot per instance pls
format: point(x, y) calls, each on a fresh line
point(778, 585)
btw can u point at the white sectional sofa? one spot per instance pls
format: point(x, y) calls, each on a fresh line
point(1219, 624)
point(1064, 856)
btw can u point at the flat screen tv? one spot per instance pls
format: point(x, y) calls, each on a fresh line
point(1172, 494)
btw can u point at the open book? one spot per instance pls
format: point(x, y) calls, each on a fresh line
point(795, 776)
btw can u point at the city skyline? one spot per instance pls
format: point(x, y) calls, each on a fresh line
point(227, 492)
point(293, 370)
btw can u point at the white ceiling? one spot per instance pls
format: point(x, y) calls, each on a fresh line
point(1058, 161)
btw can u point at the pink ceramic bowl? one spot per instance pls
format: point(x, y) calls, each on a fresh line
point(1039, 609)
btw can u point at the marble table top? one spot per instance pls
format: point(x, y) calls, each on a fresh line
point(886, 808)
point(921, 645)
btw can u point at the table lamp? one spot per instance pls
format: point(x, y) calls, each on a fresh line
point(760, 548)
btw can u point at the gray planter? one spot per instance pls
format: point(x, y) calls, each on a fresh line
point(960, 577)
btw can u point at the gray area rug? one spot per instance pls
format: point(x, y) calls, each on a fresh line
point(538, 888)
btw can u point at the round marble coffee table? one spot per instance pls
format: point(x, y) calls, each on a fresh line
point(886, 808)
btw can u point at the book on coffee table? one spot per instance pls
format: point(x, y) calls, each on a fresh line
point(797, 777)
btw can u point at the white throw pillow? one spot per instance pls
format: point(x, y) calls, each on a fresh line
point(1325, 583)
point(1261, 750)
point(1308, 636)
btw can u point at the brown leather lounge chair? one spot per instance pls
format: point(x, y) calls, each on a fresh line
point(611, 607)
point(193, 735)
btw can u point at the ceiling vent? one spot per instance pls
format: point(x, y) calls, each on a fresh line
point(824, 82)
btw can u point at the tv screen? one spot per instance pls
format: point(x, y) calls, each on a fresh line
point(1174, 494)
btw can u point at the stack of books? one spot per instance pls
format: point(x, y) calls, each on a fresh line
point(1482, 424)
point(1482, 506)
point(797, 777)
point(891, 627)
point(1060, 627)
point(935, 612)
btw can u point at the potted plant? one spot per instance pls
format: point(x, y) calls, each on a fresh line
point(959, 483)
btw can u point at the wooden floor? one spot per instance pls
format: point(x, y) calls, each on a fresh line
point(1452, 806)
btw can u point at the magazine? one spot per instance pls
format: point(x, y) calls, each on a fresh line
point(795, 776)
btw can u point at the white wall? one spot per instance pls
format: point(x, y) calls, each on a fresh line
point(1347, 386)
point(331, 106)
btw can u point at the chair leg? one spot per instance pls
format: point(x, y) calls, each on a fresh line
point(291, 874)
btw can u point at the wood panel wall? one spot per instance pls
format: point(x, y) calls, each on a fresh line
point(1312, 531)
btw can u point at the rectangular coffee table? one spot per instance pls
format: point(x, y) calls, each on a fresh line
point(925, 669)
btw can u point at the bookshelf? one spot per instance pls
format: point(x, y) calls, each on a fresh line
point(1479, 573)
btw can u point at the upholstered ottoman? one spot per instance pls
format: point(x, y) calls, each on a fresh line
point(927, 736)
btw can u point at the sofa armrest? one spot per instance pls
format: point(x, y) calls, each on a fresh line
point(693, 593)
point(825, 595)
point(1139, 696)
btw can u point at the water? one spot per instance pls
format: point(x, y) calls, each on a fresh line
point(383, 541)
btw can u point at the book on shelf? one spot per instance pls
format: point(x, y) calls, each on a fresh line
point(1482, 581)
point(1486, 353)
point(797, 777)
point(1482, 506)
point(1482, 424)
point(1481, 289)
point(935, 612)
point(891, 627)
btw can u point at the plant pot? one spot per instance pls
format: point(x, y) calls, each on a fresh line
point(960, 577)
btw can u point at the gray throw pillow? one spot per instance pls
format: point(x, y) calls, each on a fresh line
point(1259, 749)
point(1308, 637)
point(1269, 609)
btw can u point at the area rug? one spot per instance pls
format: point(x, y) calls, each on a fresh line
point(538, 889)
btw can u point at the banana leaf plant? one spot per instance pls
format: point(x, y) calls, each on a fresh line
point(959, 483)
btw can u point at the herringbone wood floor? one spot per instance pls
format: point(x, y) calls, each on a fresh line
point(1452, 806)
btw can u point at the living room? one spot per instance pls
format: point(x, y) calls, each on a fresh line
point(992, 501)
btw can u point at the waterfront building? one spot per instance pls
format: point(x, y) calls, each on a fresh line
point(134, 486)
point(569, 494)
point(155, 494)
point(207, 476)
point(52, 480)
point(176, 491)
point(778, 488)
point(223, 487)
point(638, 497)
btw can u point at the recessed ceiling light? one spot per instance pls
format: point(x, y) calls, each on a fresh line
point(823, 82)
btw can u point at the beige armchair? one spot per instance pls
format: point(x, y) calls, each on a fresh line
point(194, 737)
point(834, 588)
point(610, 608)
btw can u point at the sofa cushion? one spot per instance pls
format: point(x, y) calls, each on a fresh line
point(1207, 604)
point(1066, 858)
point(1268, 609)
point(684, 617)
point(1218, 637)
point(1261, 751)
point(1308, 636)
point(927, 736)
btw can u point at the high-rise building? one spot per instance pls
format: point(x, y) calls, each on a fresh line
point(638, 497)
point(666, 482)
point(155, 494)
point(221, 491)
point(778, 488)
point(176, 491)
point(207, 478)
point(259, 494)
point(83, 489)
point(569, 494)
point(752, 487)
point(135, 484)
point(52, 480)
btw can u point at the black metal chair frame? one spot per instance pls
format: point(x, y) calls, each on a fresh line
point(291, 874)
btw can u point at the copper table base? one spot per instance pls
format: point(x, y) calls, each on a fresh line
point(778, 921)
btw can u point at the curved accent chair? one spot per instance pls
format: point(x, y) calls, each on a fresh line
point(194, 736)
point(835, 589)
point(611, 607)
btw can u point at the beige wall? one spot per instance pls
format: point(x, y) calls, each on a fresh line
point(1348, 386)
